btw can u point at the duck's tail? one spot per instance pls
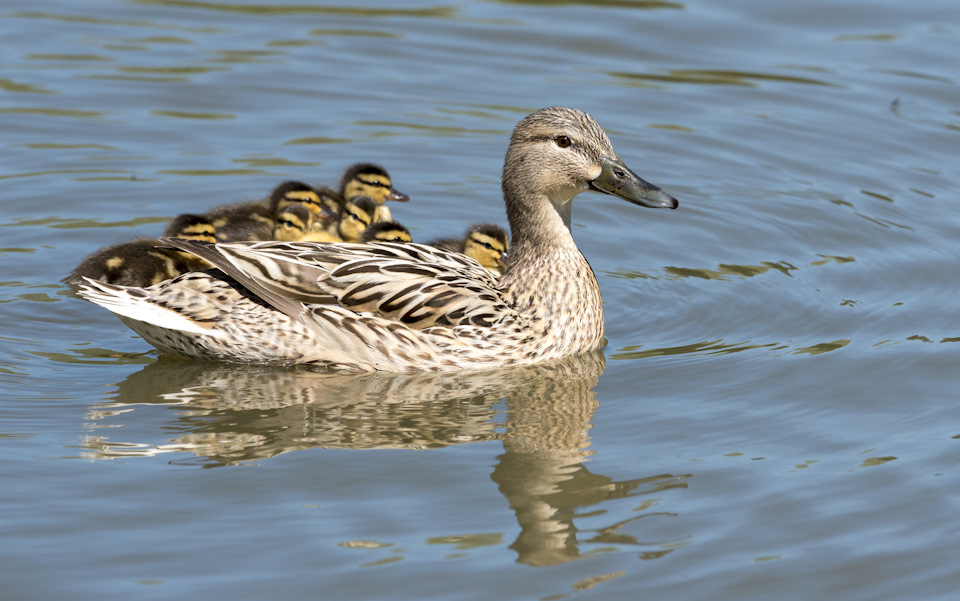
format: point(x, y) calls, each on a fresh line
point(134, 304)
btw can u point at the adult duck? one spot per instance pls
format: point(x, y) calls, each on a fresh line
point(407, 307)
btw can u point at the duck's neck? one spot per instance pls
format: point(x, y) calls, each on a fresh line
point(548, 278)
point(539, 227)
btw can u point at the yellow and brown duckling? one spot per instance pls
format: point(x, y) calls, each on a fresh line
point(386, 231)
point(140, 262)
point(256, 220)
point(486, 243)
point(293, 223)
point(295, 193)
point(357, 214)
point(362, 179)
point(367, 179)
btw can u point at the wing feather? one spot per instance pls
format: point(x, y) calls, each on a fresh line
point(417, 285)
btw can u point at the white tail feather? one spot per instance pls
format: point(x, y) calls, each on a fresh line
point(118, 300)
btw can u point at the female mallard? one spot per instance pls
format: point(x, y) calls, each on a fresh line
point(140, 262)
point(486, 243)
point(406, 307)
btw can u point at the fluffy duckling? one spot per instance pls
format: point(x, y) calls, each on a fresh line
point(256, 220)
point(362, 179)
point(357, 214)
point(367, 179)
point(486, 243)
point(140, 262)
point(252, 220)
point(295, 193)
point(292, 223)
point(386, 231)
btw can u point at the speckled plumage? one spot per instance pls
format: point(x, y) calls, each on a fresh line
point(407, 307)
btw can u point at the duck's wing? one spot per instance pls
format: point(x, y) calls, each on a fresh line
point(414, 284)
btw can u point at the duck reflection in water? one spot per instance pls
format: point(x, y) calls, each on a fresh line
point(234, 414)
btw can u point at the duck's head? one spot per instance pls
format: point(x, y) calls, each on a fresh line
point(386, 231)
point(192, 227)
point(329, 198)
point(367, 179)
point(488, 245)
point(355, 216)
point(292, 222)
point(560, 152)
point(293, 192)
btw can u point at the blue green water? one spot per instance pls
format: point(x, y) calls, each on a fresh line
point(775, 415)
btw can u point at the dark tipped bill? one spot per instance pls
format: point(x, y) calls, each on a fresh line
point(397, 195)
point(617, 179)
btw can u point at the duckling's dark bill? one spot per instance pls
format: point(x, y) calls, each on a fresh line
point(617, 179)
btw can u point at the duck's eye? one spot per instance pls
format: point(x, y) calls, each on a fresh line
point(563, 141)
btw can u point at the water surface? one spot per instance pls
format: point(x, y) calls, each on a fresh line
point(774, 415)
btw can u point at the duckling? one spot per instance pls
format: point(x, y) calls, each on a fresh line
point(292, 223)
point(357, 214)
point(367, 179)
point(294, 193)
point(234, 222)
point(386, 231)
point(487, 243)
point(360, 179)
point(140, 262)
point(256, 220)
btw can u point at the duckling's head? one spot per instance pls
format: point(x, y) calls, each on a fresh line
point(386, 231)
point(488, 245)
point(292, 222)
point(560, 152)
point(193, 227)
point(367, 179)
point(329, 198)
point(356, 215)
point(294, 192)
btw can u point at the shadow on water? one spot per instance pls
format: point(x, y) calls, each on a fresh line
point(229, 414)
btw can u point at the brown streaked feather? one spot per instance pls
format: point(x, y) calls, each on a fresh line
point(417, 285)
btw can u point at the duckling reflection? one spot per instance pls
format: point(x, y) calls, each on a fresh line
point(235, 413)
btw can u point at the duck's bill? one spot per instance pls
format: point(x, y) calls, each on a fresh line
point(326, 213)
point(398, 196)
point(617, 179)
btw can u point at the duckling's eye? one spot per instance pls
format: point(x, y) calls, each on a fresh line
point(563, 141)
point(488, 246)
